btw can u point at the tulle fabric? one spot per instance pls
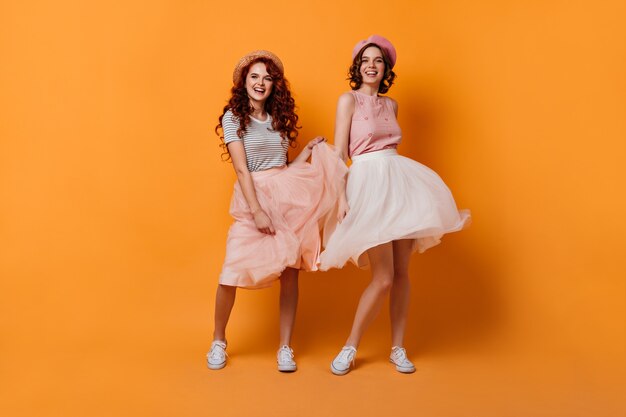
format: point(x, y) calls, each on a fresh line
point(298, 199)
point(391, 197)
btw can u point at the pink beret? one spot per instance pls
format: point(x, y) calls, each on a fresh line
point(379, 41)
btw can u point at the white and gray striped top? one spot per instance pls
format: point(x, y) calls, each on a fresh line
point(264, 147)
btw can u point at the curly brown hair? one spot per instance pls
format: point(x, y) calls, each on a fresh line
point(354, 73)
point(280, 105)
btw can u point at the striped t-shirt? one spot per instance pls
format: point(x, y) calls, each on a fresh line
point(264, 147)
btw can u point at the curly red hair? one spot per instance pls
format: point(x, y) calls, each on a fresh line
point(280, 105)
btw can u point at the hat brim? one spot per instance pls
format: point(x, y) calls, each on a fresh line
point(253, 56)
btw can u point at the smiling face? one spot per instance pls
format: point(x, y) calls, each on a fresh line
point(372, 66)
point(258, 84)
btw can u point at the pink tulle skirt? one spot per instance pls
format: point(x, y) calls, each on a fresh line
point(298, 199)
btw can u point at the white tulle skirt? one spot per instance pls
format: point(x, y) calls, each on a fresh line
point(391, 197)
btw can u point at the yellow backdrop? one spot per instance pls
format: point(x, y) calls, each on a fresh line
point(114, 209)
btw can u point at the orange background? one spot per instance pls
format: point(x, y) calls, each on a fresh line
point(114, 209)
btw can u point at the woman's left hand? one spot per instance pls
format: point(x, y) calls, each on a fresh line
point(315, 141)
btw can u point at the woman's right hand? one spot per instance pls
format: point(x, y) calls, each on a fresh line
point(313, 142)
point(264, 223)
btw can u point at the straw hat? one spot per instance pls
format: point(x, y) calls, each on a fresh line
point(248, 58)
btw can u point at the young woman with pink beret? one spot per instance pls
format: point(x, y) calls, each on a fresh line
point(392, 205)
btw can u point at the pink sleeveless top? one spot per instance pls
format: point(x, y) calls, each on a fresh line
point(374, 125)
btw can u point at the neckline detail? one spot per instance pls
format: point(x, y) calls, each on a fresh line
point(269, 119)
point(366, 95)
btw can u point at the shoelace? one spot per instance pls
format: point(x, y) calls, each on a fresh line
point(217, 352)
point(400, 355)
point(285, 354)
point(346, 355)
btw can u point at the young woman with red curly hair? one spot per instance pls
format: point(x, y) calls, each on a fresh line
point(392, 205)
point(277, 207)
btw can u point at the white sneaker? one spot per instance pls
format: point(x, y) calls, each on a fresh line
point(344, 361)
point(398, 358)
point(216, 357)
point(284, 357)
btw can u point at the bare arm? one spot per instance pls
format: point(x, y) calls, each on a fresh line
point(238, 155)
point(306, 152)
point(343, 123)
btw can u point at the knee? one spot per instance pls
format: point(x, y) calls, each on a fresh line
point(384, 282)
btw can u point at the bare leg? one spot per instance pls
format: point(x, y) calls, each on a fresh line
point(400, 291)
point(288, 304)
point(381, 261)
point(224, 301)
